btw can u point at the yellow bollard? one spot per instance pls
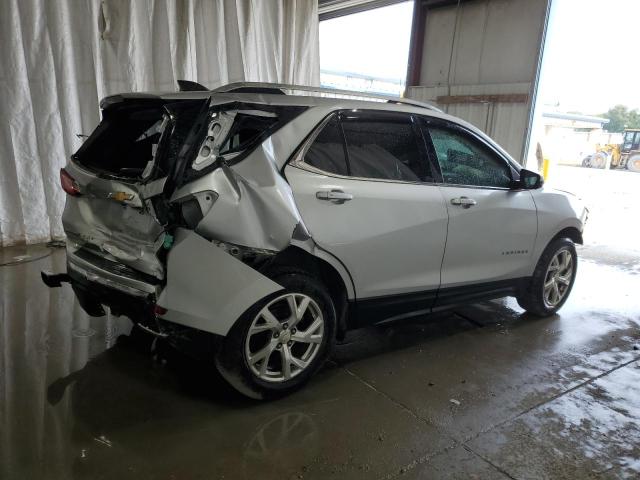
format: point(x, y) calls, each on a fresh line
point(545, 169)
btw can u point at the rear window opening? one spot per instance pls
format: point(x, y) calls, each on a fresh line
point(247, 127)
point(144, 139)
point(126, 141)
point(234, 131)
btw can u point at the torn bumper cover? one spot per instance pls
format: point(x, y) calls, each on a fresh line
point(206, 288)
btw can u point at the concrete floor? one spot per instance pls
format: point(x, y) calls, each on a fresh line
point(487, 392)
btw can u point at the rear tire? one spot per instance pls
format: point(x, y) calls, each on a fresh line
point(552, 280)
point(272, 351)
point(633, 164)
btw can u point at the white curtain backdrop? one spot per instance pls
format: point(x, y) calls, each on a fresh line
point(58, 58)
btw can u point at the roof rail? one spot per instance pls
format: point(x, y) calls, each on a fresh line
point(279, 89)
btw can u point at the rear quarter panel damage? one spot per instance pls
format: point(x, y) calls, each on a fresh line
point(255, 206)
point(207, 288)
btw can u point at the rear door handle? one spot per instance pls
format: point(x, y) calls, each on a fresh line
point(464, 202)
point(335, 196)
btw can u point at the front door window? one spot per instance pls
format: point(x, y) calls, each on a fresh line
point(464, 161)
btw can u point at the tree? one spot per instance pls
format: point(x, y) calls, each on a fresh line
point(620, 117)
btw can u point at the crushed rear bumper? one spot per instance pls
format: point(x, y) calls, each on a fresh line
point(206, 288)
point(95, 288)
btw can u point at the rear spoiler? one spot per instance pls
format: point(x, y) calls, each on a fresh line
point(189, 86)
point(184, 86)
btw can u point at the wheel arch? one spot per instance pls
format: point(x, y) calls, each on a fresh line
point(572, 233)
point(568, 230)
point(340, 288)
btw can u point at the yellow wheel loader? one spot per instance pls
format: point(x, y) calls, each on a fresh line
point(630, 150)
point(622, 155)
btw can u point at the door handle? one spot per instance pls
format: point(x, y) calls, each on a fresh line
point(464, 202)
point(335, 196)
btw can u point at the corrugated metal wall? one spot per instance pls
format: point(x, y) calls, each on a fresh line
point(504, 122)
point(482, 47)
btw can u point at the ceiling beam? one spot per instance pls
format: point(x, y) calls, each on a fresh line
point(328, 9)
point(490, 98)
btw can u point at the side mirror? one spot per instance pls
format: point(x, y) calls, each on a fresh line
point(529, 180)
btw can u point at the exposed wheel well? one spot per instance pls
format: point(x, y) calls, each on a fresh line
point(324, 271)
point(571, 233)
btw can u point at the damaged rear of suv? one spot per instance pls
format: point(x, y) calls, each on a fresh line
point(178, 217)
point(273, 222)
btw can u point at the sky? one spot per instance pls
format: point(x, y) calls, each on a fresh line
point(591, 60)
point(373, 43)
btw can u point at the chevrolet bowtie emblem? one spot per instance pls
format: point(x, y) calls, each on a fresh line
point(120, 196)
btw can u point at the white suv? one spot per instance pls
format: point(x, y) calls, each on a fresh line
point(276, 217)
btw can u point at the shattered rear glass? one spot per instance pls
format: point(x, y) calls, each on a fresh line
point(236, 130)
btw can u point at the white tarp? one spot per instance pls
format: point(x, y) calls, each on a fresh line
point(58, 59)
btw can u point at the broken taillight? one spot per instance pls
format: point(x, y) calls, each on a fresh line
point(159, 311)
point(68, 183)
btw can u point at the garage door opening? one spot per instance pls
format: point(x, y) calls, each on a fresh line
point(367, 51)
point(587, 120)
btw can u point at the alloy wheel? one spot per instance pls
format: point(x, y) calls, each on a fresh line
point(558, 278)
point(284, 337)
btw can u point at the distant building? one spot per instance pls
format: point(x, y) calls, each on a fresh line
point(362, 83)
point(569, 137)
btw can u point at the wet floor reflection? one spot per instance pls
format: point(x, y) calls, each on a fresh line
point(589, 433)
point(44, 336)
point(277, 441)
point(78, 399)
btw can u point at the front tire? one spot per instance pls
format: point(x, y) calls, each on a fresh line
point(279, 343)
point(552, 280)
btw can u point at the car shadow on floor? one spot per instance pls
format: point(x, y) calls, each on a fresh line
point(420, 331)
point(128, 384)
point(127, 370)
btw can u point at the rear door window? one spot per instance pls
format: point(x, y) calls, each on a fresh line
point(327, 152)
point(384, 146)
